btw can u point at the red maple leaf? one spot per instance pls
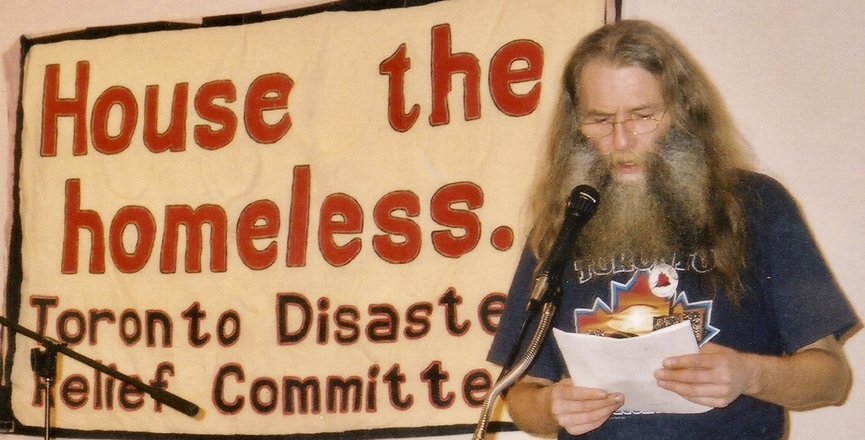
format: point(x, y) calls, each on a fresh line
point(663, 280)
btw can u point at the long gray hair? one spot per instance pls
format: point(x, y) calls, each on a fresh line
point(696, 109)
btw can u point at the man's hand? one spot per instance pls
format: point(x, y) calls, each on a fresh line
point(815, 375)
point(714, 377)
point(580, 410)
point(542, 407)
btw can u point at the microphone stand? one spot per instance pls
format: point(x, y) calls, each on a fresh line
point(546, 292)
point(549, 305)
point(44, 364)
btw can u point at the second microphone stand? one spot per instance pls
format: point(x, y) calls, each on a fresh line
point(44, 364)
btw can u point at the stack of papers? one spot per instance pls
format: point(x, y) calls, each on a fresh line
point(627, 366)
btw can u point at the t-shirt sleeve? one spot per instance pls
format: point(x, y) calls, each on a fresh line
point(513, 315)
point(808, 301)
point(545, 364)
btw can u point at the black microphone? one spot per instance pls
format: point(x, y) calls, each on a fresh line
point(581, 206)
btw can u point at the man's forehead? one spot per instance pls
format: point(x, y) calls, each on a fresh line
point(608, 89)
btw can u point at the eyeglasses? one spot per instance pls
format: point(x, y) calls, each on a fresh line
point(634, 125)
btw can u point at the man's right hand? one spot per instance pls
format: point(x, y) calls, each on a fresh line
point(541, 407)
point(580, 410)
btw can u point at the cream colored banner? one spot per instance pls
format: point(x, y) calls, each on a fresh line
point(303, 225)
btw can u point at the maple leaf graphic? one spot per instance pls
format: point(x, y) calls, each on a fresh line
point(663, 280)
point(633, 310)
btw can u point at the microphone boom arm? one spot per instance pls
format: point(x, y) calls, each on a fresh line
point(160, 395)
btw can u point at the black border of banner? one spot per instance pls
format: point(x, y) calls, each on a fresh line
point(365, 434)
point(8, 422)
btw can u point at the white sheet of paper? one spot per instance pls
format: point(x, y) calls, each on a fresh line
point(628, 365)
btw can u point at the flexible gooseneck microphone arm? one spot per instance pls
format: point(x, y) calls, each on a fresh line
point(546, 295)
point(547, 313)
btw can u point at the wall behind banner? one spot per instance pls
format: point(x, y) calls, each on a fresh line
point(791, 72)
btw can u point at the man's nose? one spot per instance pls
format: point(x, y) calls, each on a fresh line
point(621, 138)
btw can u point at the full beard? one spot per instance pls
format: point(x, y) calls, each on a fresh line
point(648, 220)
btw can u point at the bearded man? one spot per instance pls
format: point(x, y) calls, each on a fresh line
point(682, 232)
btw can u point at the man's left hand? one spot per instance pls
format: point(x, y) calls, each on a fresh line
point(713, 377)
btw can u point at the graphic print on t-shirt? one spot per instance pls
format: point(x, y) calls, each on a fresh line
point(649, 301)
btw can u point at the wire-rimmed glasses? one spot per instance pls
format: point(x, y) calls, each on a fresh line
point(633, 125)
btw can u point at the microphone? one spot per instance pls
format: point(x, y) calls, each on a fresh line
point(581, 206)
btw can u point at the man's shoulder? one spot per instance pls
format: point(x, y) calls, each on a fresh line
point(747, 179)
point(761, 191)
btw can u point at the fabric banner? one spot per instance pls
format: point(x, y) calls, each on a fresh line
point(304, 225)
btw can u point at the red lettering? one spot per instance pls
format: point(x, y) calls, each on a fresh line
point(443, 213)
point(503, 76)
point(131, 235)
point(408, 247)
point(54, 107)
point(205, 136)
point(516, 62)
point(174, 136)
point(145, 226)
point(395, 68)
point(267, 92)
point(340, 214)
point(76, 219)
point(298, 224)
point(114, 116)
point(103, 141)
point(194, 220)
point(258, 221)
point(445, 64)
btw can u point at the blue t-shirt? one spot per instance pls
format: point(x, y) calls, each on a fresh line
point(791, 300)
